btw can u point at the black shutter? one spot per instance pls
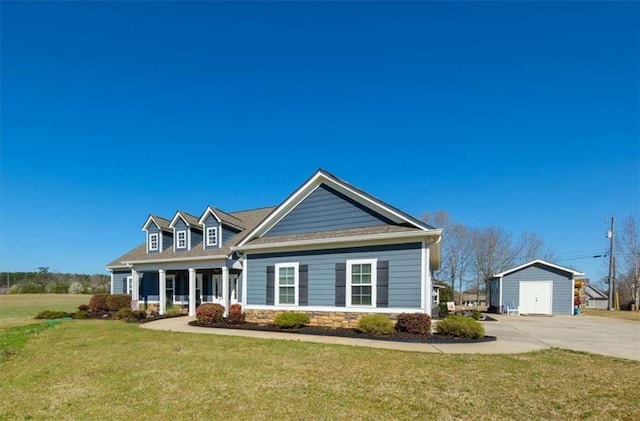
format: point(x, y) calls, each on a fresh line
point(382, 286)
point(124, 285)
point(303, 285)
point(341, 284)
point(271, 280)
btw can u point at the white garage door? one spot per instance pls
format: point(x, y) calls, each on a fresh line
point(535, 297)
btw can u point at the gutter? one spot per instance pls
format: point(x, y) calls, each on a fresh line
point(176, 259)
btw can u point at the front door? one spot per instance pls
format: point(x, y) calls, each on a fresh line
point(535, 297)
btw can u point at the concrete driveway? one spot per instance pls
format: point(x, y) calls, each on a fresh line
point(599, 335)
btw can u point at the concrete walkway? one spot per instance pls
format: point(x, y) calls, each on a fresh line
point(516, 334)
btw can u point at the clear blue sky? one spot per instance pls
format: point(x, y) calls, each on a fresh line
point(522, 115)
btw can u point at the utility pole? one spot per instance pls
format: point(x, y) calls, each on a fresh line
point(611, 267)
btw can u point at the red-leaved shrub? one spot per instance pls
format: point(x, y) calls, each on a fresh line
point(98, 302)
point(236, 316)
point(414, 323)
point(209, 313)
point(116, 302)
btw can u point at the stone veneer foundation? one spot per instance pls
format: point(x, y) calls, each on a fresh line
point(318, 318)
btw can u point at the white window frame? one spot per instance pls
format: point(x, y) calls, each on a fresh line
point(129, 285)
point(296, 283)
point(374, 281)
point(178, 246)
point(214, 230)
point(157, 240)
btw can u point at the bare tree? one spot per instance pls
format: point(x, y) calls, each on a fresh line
point(492, 253)
point(628, 256)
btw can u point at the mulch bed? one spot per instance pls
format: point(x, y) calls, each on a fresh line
point(349, 333)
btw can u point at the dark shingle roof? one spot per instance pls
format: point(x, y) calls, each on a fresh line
point(352, 232)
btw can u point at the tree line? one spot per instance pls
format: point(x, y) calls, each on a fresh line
point(44, 281)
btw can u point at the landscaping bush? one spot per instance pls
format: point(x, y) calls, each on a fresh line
point(476, 315)
point(83, 307)
point(138, 315)
point(123, 314)
point(460, 327)
point(209, 313)
point(116, 302)
point(98, 303)
point(415, 323)
point(173, 311)
point(80, 314)
point(444, 311)
point(290, 320)
point(236, 316)
point(52, 314)
point(375, 324)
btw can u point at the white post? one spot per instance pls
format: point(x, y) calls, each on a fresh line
point(192, 292)
point(225, 289)
point(135, 285)
point(113, 288)
point(163, 291)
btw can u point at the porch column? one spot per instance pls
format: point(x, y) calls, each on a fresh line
point(113, 288)
point(192, 292)
point(135, 285)
point(162, 275)
point(225, 289)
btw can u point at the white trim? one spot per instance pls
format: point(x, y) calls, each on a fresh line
point(215, 231)
point(112, 285)
point(175, 259)
point(177, 243)
point(347, 239)
point(188, 238)
point(316, 180)
point(129, 287)
point(174, 220)
point(204, 216)
point(500, 297)
point(425, 293)
point(374, 281)
point(157, 236)
point(339, 309)
point(244, 282)
point(145, 227)
point(225, 289)
point(296, 283)
point(192, 292)
point(533, 262)
point(160, 241)
point(162, 291)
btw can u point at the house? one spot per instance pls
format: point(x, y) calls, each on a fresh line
point(536, 287)
point(329, 249)
point(595, 297)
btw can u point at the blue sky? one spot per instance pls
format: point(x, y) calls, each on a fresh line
point(522, 115)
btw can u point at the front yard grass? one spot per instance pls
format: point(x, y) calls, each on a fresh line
point(20, 309)
point(626, 315)
point(112, 370)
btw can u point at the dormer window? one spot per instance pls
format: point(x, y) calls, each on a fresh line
point(212, 236)
point(153, 242)
point(182, 239)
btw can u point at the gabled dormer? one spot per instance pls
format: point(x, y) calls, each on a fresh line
point(186, 231)
point(158, 233)
point(218, 227)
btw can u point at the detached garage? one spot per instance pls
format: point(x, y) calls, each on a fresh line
point(537, 287)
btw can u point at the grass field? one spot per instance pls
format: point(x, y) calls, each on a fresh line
point(19, 309)
point(112, 370)
point(626, 315)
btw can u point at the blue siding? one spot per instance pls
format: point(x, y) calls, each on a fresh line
point(227, 234)
point(562, 291)
point(149, 287)
point(196, 238)
point(153, 229)
point(404, 272)
point(210, 222)
point(179, 226)
point(120, 281)
point(167, 240)
point(326, 210)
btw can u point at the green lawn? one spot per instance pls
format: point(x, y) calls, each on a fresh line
point(19, 309)
point(111, 370)
point(618, 314)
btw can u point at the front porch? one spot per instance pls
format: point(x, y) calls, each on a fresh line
point(186, 287)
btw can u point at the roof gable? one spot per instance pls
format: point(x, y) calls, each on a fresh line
point(158, 221)
point(540, 262)
point(353, 194)
point(188, 219)
point(222, 217)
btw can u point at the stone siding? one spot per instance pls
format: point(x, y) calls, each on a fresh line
point(318, 318)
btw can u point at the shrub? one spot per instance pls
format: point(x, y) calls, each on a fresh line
point(290, 320)
point(236, 316)
point(52, 314)
point(15, 289)
point(444, 311)
point(173, 311)
point(209, 313)
point(375, 324)
point(83, 307)
point(80, 314)
point(460, 327)
point(116, 302)
point(139, 315)
point(415, 323)
point(76, 288)
point(98, 303)
point(124, 314)
point(476, 315)
point(31, 288)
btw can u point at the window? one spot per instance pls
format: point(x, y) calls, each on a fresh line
point(212, 236)
point(182, 239)
point(129, 285)
point(287, 284)
point(361, 283)
point(153, 241)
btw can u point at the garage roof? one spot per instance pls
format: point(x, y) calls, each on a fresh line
point(538, 261)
